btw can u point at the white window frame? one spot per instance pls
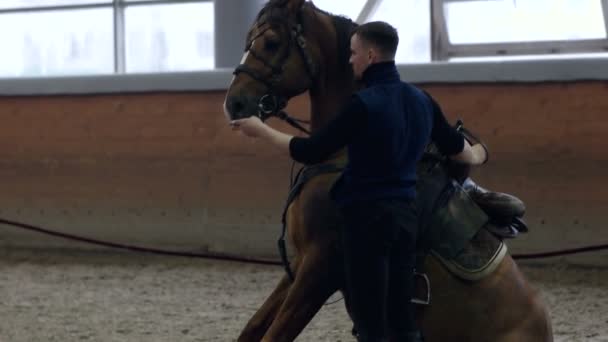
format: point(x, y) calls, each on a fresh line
point(368, 10)
point(444, 50)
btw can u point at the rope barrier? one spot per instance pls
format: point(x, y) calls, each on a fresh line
point(524, 256)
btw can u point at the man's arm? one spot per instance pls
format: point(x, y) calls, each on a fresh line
point(473, 155)
point(451, 142)
point(318, 146)
point(254, 127)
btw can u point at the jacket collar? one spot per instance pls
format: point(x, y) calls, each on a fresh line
point(383, 72)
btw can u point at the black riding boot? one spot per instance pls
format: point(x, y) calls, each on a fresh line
point(411, 337)
point(362, 338)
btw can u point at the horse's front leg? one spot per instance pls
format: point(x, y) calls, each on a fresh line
point(263, 318)
point(315, 281)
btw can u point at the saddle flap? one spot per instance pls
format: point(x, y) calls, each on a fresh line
point(456, 222)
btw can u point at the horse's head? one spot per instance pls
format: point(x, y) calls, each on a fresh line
point(279, 63)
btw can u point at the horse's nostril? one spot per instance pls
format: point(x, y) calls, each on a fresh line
point(238, 107)
point(235, 106)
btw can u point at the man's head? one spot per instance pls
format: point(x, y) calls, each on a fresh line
point(370, 43)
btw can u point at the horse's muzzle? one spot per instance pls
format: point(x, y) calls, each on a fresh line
point(239, 107)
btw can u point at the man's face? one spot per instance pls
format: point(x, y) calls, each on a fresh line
point(361, 56)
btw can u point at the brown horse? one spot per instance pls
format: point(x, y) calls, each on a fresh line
point(294, 47)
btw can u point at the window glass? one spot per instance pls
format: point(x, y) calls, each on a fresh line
point(173, 37)
point(57, 43)
point(348, 8)
point(11, 4)
point(412, 19)
point(472, 22)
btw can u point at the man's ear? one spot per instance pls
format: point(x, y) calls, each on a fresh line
point(373, 55)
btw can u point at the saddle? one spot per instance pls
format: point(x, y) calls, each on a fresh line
point(463, 225)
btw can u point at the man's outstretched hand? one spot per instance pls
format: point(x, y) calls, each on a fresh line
point(251, 126)
point(255, 128)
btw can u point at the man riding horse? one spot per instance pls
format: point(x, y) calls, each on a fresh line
point(386, 127)
point(478, 292)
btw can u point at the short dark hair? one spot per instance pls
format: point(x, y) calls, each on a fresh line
point(380, 34)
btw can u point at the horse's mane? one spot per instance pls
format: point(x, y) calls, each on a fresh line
point(275, 11)
point(344, 29)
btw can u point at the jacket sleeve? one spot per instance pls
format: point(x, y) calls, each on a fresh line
point(331, 138)
point(448, 140)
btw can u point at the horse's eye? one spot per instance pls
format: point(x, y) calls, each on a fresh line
point(271, 45)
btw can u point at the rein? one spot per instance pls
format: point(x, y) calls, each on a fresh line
point(293, 122)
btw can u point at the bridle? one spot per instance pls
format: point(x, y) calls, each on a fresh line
point(271, 103)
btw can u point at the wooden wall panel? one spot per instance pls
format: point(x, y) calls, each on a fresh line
point(165, 168)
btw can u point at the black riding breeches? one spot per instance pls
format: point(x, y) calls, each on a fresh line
point(379, 241)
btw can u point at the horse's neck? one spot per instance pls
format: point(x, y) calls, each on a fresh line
point(326, 105)
point(334, 84)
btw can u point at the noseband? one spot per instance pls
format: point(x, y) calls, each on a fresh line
point(272, 104)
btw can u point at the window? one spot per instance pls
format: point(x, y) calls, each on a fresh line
point(411, 18)
point(347, 8)
point(57, 43)
point(84, 37)
point(13, 4)
point(78, 37)
point(524, 21)
point(174, 37)
point(507, 29)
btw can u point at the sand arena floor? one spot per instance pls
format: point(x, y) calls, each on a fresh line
point(71, 295)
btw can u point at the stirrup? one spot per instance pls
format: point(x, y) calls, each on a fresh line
point(427, 284)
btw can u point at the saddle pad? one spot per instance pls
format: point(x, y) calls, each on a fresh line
point(478, 259)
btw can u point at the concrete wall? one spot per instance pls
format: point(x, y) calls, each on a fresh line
point(163, 169)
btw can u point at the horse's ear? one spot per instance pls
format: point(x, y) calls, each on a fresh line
point(295, 5)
